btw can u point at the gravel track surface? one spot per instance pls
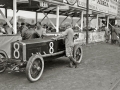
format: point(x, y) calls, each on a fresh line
point(99, 70)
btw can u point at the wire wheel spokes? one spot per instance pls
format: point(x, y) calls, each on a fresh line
point(2, 62)
point(78, 54)
point(2, 57)
point(36, 68)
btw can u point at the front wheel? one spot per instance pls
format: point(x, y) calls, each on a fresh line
point(35, 67)
point(3, 57)
point(77, 53)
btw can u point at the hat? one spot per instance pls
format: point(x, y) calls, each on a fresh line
point(67, 24)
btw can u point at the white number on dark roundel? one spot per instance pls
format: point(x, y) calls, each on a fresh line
point(51, 49)
point(16, 52)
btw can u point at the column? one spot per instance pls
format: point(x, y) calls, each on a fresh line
point(87, 20)
point(107, 21)
point(6, 12)
point(116, 22)
point(14, 17)
point(97, 22)
point(36, 17)
point(57, 19)
point(81, 21)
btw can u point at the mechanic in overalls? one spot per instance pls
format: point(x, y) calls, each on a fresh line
point(68, 34)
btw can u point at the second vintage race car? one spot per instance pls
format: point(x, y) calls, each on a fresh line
point(29, 55)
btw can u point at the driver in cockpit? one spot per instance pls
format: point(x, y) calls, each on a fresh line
point(30, 33)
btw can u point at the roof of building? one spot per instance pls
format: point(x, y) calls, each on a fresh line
point(34, 6)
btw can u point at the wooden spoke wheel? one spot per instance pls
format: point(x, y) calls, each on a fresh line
point(35, 67)
point(3, 58)
point(77, 53)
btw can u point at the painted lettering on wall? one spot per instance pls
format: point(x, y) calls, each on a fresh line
point(104, 2)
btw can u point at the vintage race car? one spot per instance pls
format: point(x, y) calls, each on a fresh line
point(29, 55)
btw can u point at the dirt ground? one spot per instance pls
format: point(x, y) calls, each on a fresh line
point(99, 70)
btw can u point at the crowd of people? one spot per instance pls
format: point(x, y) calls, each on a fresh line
point(21, 26)
point(27, 31)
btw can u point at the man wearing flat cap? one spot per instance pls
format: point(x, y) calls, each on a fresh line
point(68, 34)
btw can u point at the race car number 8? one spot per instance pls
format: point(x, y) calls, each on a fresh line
point(51, 50)
point(16, 50)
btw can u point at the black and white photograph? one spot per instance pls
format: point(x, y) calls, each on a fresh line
point(59, 44)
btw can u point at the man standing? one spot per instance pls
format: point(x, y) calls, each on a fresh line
point(68, 34)
point(107, 34)
point(114, 35)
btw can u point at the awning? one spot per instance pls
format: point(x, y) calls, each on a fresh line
point(9, 3)
point(6, 4)
point(34, 5)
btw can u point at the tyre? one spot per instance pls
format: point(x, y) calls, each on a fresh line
point(77, 53)
point(3, 58)
point(34, 68)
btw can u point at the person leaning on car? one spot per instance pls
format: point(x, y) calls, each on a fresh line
point(68, 34)
point(30, 33)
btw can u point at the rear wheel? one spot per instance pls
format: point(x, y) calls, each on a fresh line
point(77, 53)
point(35, 67)
point(3, 57)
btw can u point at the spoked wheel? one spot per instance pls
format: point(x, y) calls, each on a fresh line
point(3, 57)
point(78, 53)
point(35, 67)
